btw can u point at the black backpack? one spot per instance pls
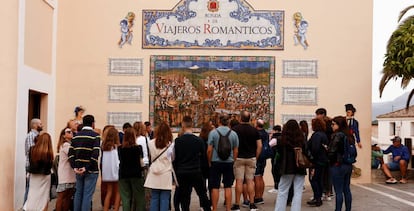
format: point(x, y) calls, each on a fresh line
point(224, 146)
point(350, 152)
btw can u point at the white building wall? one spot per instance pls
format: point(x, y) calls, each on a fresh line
point(403, 127)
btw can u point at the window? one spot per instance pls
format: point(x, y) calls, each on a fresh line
point(392, 128)
point(411, 128)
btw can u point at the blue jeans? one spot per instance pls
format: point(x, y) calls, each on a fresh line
point(341, 179)
point(283, 191)
point(316, 182)
point(160, 200)
point(85, 187)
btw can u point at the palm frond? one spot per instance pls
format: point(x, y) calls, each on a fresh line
point(405, 81)
point(407, 105)
point(386, 77)
point(403, 12)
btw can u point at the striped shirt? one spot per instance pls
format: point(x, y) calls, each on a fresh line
point(84, 150)
point(29, 142)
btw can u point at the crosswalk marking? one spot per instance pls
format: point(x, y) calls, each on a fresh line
point(394, 189)
point(409, 203)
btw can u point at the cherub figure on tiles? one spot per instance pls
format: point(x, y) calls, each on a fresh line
point(126, 29)
point(301, 26)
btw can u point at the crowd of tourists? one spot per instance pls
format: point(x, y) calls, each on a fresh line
point(139, 167)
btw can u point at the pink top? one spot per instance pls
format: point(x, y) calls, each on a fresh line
point(65, 171)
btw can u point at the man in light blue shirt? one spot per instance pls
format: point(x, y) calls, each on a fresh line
point(221, 168)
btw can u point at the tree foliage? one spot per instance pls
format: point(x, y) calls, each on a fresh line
point(399, 59)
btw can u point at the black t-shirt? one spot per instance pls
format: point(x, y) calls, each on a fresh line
point(189, 150)
point(129, 162)
point(248, 136)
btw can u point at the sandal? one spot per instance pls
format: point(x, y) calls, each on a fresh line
point(403, 181)
point(391, 181)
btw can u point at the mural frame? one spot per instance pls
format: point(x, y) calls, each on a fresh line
point(208, 78)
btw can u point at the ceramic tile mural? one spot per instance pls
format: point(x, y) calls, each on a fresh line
point(205, 86)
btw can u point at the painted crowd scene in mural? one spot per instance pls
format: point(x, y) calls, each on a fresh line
point(203, 87)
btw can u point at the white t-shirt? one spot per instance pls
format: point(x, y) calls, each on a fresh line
point(110, 166)
point(142, 142)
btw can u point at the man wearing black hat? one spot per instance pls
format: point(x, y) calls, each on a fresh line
point(400, 158)
point(353, 123)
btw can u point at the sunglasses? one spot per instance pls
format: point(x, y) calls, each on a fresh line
point(68, 131)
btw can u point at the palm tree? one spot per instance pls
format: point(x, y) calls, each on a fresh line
point(399, 59)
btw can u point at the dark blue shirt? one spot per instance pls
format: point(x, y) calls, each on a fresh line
point(398, 151)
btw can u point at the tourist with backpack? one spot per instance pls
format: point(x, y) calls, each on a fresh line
point(222, 150)
point(341, 154)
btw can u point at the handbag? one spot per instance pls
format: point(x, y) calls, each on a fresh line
point(302, 160)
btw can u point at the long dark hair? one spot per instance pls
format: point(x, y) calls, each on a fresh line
point(292, 134)
point(42, 150)
point(129, 138)
point(344, 128)
point(163, 135)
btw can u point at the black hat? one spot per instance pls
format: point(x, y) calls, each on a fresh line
point(350, 107)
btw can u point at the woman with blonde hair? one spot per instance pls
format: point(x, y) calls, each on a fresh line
point(67, 179)
point(41, 160)
point(159, 177)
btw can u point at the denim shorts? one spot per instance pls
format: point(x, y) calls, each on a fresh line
point(64, 186)
point(394, 166)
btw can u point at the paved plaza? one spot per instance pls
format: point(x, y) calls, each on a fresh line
point(377, 196)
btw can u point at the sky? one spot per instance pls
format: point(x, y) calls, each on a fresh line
point(386, 14)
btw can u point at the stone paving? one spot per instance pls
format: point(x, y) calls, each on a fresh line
point(378, 196)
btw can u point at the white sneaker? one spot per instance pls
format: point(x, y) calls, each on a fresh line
point(326, 198)
point(273, 190)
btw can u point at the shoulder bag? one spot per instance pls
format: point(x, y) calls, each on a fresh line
point(302, 160)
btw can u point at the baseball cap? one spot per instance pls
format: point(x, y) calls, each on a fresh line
point(396, 138)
